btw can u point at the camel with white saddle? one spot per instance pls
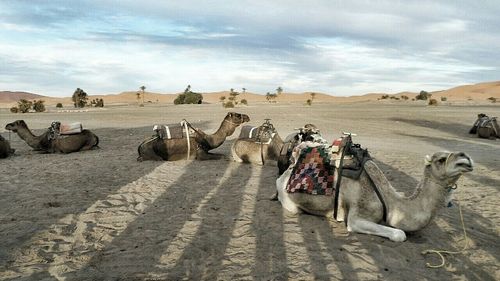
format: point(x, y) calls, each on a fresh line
point(257, 145)
point(52, 140)
point(183, 141)
point(369, 203)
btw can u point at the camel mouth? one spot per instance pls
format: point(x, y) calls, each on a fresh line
point(9, 127)
point(465, 164)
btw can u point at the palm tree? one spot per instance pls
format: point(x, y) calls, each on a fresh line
point(142, 89)
point(279, 90)
point(243, 90)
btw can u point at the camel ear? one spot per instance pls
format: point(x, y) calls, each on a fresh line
point(428, 160)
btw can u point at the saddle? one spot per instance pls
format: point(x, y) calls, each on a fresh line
point(57, 129)
point(263, 134)
point(173, 131)
point(317, 166)
point(485, 127)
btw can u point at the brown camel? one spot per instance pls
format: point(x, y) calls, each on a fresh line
point(486, 127)
point(256, 145)
point(48, 142)
point(195, 146)
point(364, 202)
point(5, 150)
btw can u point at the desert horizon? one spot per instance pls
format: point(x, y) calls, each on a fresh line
point(475, 93)
point(249, 140)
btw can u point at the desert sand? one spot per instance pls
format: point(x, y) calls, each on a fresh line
point(101, 215)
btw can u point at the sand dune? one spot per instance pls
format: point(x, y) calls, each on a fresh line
point(477, 93)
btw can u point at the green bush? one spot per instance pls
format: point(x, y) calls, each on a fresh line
point(492, 99)
point(433, 102)
point(59, 105)
point(444, 98)
point(309, 102)
point(39, 106)
point(229, 104)
point(14, 109)
point(189, 98)
point(403, 97)
point(24, 105)
point(244, 101)
point(423, 95)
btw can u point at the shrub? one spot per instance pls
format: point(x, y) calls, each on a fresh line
point(433, 102)
point(244, 101)
point(14, 109)
point(492, 99)
point(423, 95)
point(79, 98)
point(309, 102)
point(444, 98)
point(229, 104)
point(39, 106)
point(59, 105)
point(403, 97)
point(24, 105)
point(189, 98)
point(385, 97)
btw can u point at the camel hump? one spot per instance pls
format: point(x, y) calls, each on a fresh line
point(262, 134)
point(173, 131)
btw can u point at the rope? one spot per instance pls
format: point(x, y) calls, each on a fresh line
point(441, 252)
point(187, 137)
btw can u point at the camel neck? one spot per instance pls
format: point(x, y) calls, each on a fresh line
point(226, 129)
point(416, 211)
point(26, 135)
point(275, 146)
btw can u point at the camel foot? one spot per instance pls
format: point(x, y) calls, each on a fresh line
point(274, 197)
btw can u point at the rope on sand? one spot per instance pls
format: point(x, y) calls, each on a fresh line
point(441, 252)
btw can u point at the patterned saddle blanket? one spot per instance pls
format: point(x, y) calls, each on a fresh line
point(313, 170)
point(173, 131)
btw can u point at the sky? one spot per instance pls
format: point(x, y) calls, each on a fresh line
point(338, 47)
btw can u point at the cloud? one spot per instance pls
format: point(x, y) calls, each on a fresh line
point(330, 46)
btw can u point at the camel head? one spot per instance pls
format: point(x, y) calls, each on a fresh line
point(447, 167)
point(14, 126)
point(236, 118)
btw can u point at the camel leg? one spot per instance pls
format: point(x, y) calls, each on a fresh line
point(203, 155)
point(357, 224)
point(283, 197)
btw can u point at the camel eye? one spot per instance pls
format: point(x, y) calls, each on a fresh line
point(442, 160)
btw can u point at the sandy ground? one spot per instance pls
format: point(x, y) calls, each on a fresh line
point(101, 215)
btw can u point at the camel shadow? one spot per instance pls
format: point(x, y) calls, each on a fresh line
point(49, 187)
point(459, 130)
point(186, 228)
point(271, 261)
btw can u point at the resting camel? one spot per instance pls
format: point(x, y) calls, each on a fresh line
point(364, 210)
point(45, 142)
point(5, 149)
point(158, 148)
point(256, 145)
point(486, 127)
